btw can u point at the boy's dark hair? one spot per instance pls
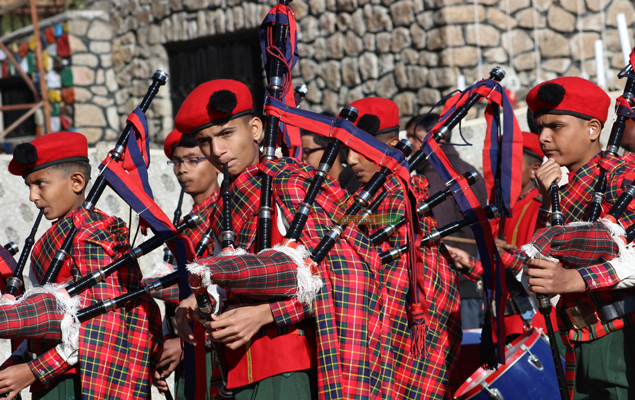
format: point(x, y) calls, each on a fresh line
point(68, 168)
point(187, 141)
point(531, 158)
point(426, 122)
point(531, 122)
point(323, 141)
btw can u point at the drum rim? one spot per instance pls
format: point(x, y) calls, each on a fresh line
point(463, 393)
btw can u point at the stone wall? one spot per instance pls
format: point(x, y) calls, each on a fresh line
point(93, 111)
point(412, 51)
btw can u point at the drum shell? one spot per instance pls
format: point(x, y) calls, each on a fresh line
point(528, 373)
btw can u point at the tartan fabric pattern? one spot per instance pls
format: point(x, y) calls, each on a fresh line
point(575, 197)
point(263, 276)
point(578, 246)
point(118, 350)
point(406, 376)
point(37, 317)
point(348, 324)
point(203, 211)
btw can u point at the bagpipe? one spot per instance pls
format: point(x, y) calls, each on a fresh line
point(280, 49)
point(7, 262)
point(206, 305)
point(562, 243)
point(128, 177)
point(168, 257)
point(601, 237)
point(624, 112)
point(159, 78)
point(15, 283)
point(423, 209)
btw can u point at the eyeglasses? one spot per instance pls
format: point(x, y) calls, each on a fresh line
point(308, 152)
point(188, 162)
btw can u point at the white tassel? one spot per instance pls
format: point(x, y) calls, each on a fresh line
point(309, 285)
point(201, 270)
point(532, 252)
point(230, 251)
point(159, 270)
point(65, 305)
point(623, 263)
point(214, 291)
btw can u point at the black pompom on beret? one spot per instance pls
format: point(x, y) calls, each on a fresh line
point(25, 154)
point(551, 93)
point(223, 101)
point(369, 123)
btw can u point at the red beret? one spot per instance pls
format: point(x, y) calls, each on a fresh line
point(46, 150)
point(531, 144)
point(170, 142)
point(213, 103)
point(377, 115)
point(569, 96)
point(175, 139)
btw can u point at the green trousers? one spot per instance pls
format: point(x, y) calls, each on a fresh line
point(605, 367)
point(179, 379)
point(299, 385)
point(68, 388)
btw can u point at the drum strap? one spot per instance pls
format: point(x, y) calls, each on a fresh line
point(520, 298)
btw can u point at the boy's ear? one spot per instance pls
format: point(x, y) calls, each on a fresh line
point(78, 182)
point(255, 124)
point(393, 142)
point(595, 128)
point(534, 168)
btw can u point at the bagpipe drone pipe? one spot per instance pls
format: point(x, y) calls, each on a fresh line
point(16, 282)
point(278, 41)
point(159, 78)
point(168, 257)
point(7, 262)
point(501, 168)
point(206, 305)
point(624, 105)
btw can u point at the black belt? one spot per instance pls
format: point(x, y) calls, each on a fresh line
point(617, 309)
point(582, 315)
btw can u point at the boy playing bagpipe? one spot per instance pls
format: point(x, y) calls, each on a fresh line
point(596, 305)
point(198, 178)
point(340, 295)
point(110, 356)
point(419, 372)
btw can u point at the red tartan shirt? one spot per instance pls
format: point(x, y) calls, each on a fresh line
point(601, 278)
point(119, 350)
point(346, 311)
point(204, 212)
point(425, 377)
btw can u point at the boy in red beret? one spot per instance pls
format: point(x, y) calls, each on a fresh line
point(198, 178)
point(333, 307)
point(570, 113)
point(110, 356)
point(421, 370)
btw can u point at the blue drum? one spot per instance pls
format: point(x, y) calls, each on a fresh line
point(528, 373)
